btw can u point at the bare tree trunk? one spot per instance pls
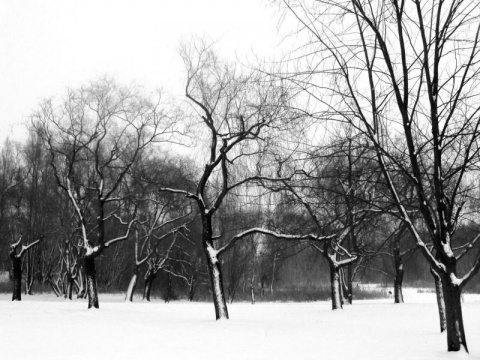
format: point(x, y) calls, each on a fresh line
point(349, 284)
point(335, 286)
point(91, 273)
point(132, 286)
point(17, 278)
point(397, 283)
point(252, 293)
point(341, 287)
point(273, 273)
point(344, 285)
point(191, 288)
point(252, 287)
point(440, 299)
point(69, 290)
point(397, 288)
point(168, 295)
point(80, 283)
point(148, 285)
point(231, 293)
point(244, 285)
point(453, 311)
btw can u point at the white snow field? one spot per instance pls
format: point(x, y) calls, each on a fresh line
point(43, 327)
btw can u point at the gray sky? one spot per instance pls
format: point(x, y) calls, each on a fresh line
point(48, 45)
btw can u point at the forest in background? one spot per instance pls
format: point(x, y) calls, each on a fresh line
point(355, 159)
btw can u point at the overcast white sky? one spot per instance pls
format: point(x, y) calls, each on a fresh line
point(48, 45)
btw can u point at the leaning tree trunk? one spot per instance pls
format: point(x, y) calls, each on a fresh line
point(349, 285)
point(17, 278)
point(132, 285)
point(91, 276)
point(55, 288)
point(148, 285)
point(80, 284)
point(29, 276)
point(453, 313)
point(215, 272)
point(440, 299)
point(335, 286)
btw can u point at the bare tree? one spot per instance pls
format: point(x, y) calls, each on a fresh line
point(156, 262)
point(235, 109)
point(94, 137)
point(149, 245)
point(407, 78)
point(16, 258)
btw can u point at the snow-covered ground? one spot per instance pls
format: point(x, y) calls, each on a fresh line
point(43, 327)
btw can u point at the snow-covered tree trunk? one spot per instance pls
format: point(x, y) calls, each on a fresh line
point(17, 277)
point(91, 275)
point(216, 280)
point(335, 287)
point(453, 313)
point(29, 276)
point(132, 285)
point(440, 299)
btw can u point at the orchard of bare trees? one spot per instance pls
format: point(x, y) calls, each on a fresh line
point(355, 159)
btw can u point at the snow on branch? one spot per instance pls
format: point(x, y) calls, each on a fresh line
point(467, 247)
point(473, 271)
point(124, 237)
point(177, 191)
point(25, 248)
point(308, 237)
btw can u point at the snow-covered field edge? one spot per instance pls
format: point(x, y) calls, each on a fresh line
point(45, 327)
